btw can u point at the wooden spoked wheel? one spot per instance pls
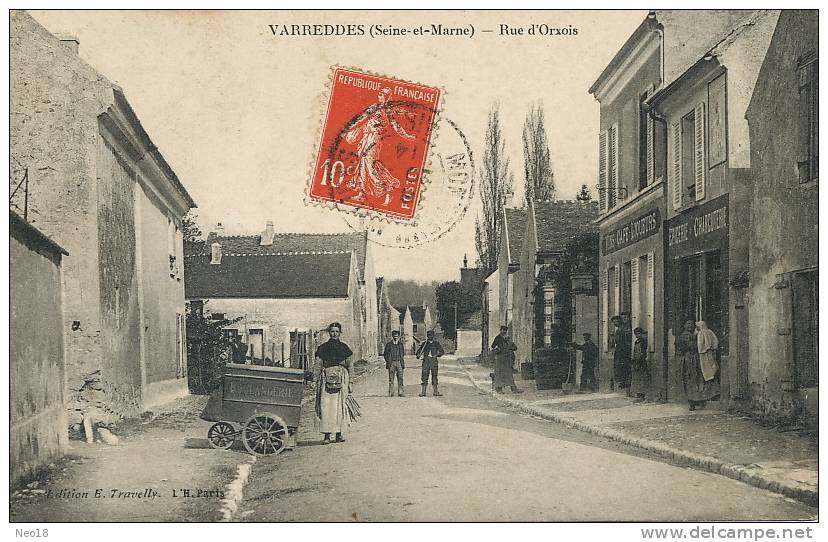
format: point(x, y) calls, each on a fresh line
point(265, 434)
point(221, 435)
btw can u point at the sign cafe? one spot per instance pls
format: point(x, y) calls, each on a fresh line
point(631, 232)
point(697, 226)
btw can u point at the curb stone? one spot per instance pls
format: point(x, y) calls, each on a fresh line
point(707, 463)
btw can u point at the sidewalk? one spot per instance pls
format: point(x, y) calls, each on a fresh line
point(734, 446)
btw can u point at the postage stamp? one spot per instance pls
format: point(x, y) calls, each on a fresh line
point(375, 143)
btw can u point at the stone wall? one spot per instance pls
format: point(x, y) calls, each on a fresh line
point(37, 409)
point(784, 231)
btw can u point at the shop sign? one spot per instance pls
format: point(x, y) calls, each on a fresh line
point(696, 226)
point(631, 232)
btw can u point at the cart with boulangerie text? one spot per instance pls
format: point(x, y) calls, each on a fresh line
point(258, 404)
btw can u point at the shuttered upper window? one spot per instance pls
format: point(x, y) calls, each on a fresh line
point(608, 168)
point(688, 165)
point(808, 148)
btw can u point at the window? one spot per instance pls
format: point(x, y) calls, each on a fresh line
point(688, 158)
point(217, 316)
point(548, 314)
point(415, 328)
point(688, 182)
point(808, 150)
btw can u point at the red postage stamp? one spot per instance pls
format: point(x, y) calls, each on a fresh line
point(375, 143)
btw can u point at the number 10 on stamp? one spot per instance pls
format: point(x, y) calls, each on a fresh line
point(375, 142)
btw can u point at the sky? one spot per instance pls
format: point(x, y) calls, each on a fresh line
point(236, 111)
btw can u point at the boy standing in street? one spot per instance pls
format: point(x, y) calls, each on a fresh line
point(431, 350)
point(394, 355)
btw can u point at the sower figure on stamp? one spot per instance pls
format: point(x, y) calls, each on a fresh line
point(430, 350)
point(333, 371)
point(504, 350)
point(394, 355)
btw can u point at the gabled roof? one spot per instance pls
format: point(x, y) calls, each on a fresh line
point(558, 222)
point(268, 276)
point(401, 310)
point(293, 242)
point(649, 24)
point(417, 314)
point(515, 231)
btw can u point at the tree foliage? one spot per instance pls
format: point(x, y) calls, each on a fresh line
point(538, 183)
point(192, 234)
point(496, 181)
point(450, 294)
point(208, 349)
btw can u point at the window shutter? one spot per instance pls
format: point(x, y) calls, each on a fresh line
point(651, 300)
point(616, 290)
point(602, 171)
point(635, 294)
point(698, 151)
point(614, 162)
point(675, 165)
point(650, 144)
point(604, 319)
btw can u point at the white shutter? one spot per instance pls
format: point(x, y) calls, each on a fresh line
point(651, 300)
point(635, 301)
point(604, 319)
point(698, 151)
point(650, 144)
point(675, 165)
point(616, 289)
point(602, 171)
point(614, 162)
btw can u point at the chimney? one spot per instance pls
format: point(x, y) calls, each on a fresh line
point(216, 253)
point(267, 234)
point(219, 229)
point(69, 41)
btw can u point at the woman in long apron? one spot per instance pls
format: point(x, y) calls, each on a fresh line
point(334, 372)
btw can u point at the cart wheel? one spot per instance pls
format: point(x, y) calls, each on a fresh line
point(265, 434)
point(221, 435)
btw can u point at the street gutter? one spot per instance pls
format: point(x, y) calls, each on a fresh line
point(703, 462)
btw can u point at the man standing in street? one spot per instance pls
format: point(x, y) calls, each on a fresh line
point(588, 363)
point(394, 355)
point(504, 351)
point(431, 350)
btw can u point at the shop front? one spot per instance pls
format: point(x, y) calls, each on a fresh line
point(631, 282)
point(697, 269)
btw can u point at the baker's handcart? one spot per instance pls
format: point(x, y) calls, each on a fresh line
point(258, 404)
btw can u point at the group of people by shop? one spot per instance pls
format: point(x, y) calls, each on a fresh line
point(696, 347)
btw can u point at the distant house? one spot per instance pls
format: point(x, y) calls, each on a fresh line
point(508, 263)
point(389, 317)
point(283, 311)
point(550, 226)
point(97, 185)
point(269, 242)
point(415, 322)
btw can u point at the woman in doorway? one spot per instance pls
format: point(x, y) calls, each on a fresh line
point(699, 386)
point(333, 374)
